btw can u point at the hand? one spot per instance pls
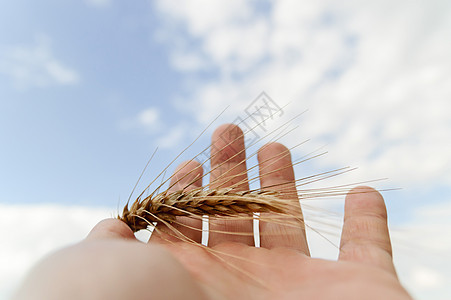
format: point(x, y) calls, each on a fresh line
point(111, 264)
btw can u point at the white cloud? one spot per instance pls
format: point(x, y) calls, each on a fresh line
point(148, 120)
point(427, 279)
point(422, 248)
point(31, 231)
point(375, 76)
point(202, 16)
point(186, 61)
point(171, 138)
point(35, 66)
point(149, 117)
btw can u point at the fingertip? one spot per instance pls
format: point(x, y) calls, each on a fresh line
point(363, 189)
point(276, 169)
point(226, 128)
point(111, 228)
point(227, 145)
point(365, 201)
point(187, 165)
point(271, 148)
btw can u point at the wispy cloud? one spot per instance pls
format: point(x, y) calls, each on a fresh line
point(172, 137)
point(149, 117)
point(35, 66)
point(375, 77)
point(422, 250)
point(148, 120)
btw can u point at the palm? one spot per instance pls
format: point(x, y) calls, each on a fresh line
point(257, 273)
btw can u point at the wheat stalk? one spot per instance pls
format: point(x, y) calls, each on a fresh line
point(166, 206)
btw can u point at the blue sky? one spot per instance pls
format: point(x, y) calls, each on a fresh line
point(88, 90)
point(62, 138)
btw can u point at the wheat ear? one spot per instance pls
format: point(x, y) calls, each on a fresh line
point(199, 202)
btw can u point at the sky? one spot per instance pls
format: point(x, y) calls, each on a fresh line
point(89, 89)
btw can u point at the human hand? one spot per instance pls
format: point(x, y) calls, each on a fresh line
point(111, 264)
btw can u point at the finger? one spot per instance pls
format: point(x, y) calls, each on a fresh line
point(365, 236)
point(111, 228)
point(228, 169)
point(187, 176)
point(277, 174)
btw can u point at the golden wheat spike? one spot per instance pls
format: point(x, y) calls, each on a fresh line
point(199, 202)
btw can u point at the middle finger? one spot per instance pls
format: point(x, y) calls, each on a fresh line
point(228, 170)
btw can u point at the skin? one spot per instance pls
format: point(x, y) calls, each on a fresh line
point(112, 264)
